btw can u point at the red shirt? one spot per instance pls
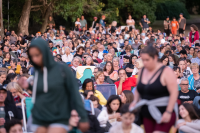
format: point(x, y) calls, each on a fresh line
point(128, 83)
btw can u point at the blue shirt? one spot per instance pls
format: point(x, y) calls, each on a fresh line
point(102, 22)
point(196, 60)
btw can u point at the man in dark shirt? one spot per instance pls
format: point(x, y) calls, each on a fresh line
point(144, 23)
point(186, 95)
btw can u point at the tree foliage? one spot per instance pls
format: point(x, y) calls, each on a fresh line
point(170, 8)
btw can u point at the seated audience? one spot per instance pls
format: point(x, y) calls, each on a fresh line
point(124, 83)
point(126, 97)
point(126, 124)
point(138, 65)
point(110, 113)
point(14, 126)
point(190, 120)
point(186, 95)
point(109, 71)
point(130, 66)
point(89, 85)
point(194, 79)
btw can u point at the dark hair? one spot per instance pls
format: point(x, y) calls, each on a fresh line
point(175, 68)
point(11, 123)
point(95, 51)
point(112, 69)
point(173, 57)
point(150, 50)
point(184, 52)
point(164, 57)
point(80, 48)
point(85, 93)
point(110, 99)
point(93, 98)
point(130, 60)
point(168, 52)
point(4, 56)
point(24, 70)
point(9, 77)
point(194, 27)
point(85, 83)
point(125, 109)
point(129, 96)
point(188, 60)
point(121, 69)
point(110, 44)
point(173, 48)
point(162, 47)
point(14, 61)
point(191, 111)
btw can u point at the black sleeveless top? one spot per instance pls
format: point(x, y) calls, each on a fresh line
point(152, 91)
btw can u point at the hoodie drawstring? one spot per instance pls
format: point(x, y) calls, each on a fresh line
point(44, 82)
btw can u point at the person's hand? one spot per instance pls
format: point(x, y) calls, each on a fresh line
point(84, 126)
point(198, 91)
point(117, 115)
point(122, 80)
point(181, 124)
point(132, 105)
point(166, 117)
point(119, 119)
point(2, 121)
point(183, 28)
point(22, 81)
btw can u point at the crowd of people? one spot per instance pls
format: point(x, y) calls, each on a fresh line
point(155, 74)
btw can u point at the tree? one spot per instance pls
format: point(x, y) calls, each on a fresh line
point(24, 19)
point(1, 20)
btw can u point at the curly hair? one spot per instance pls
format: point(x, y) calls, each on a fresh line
point(194, 27)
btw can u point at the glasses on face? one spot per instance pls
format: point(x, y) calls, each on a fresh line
point(134, 58)
point(184, 84)
point(84, 57)
point(194, 68)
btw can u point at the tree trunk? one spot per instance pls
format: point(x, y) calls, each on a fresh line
point(45, 20)
point(1, 20)
point(24, 19)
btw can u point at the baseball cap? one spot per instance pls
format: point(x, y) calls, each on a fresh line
point(95, 17)
point(105, 51)
point(181, 13)
point(24, 55)
point(2, 87)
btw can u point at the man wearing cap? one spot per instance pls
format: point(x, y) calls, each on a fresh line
point(167, 26)
point(197, 59)
point(11, 111)
point(182, 23)
point(94, 23)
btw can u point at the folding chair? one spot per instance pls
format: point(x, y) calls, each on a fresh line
point(107, 90)
point(26, 113)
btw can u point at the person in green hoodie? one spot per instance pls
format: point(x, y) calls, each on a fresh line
point(54, 92)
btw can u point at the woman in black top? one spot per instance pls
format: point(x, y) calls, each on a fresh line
point(155, 82)
point(130, 66)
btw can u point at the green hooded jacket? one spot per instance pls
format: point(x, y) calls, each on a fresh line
point(55, 90)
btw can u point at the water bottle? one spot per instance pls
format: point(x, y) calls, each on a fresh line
point(2, 114)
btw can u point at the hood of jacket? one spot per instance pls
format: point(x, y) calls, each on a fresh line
point(42, 45)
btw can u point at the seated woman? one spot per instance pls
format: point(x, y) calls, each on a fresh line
point(100, 78)
point(130, 66)
point(6, 59)
point(110, 113)
point(194, 79)
point(89, 85)
point(109, 71)
point(17, 92)
point(165, 60)
point(177, 73)
point(126, 97)
point(89, 61)
point(172, 61)
point(126, 125)
point(138, 65)
point(79, 52)
point(190, 120)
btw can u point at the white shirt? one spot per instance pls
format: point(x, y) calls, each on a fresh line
point(77, 23)
point(100, 55)
point(66, 58)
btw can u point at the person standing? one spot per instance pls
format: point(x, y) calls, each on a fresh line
point(130, 22)
point(102, 22)
point(175, 26)
point(94, 23)
point(83, 22)
point(59, 102)
point(182, 23)
point(194, 34)
point(167, 26)
point(157, 88)
point(144, 23)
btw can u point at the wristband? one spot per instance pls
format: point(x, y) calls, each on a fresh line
point(168, 112)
